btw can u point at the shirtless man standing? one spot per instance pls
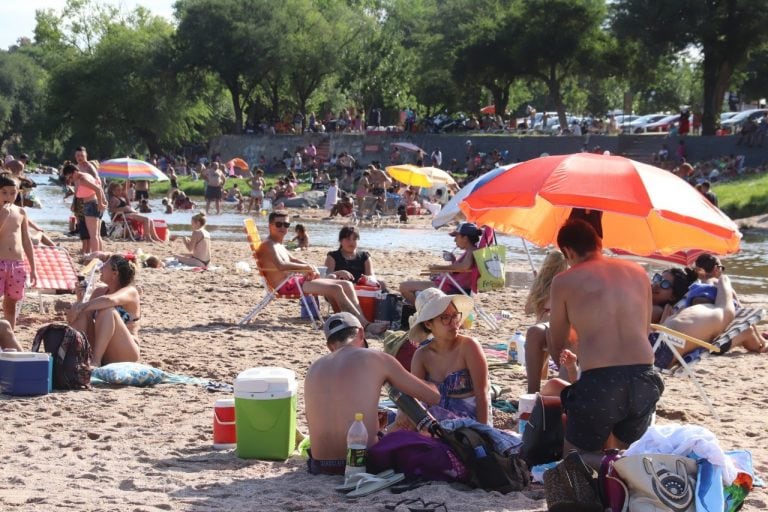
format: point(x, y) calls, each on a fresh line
point(608, 303)
point(277, 264)
point(82, 163)
point(215, 178)
point(360, 373)
point(380, 182)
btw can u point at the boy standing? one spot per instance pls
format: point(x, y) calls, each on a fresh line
point(14, 229)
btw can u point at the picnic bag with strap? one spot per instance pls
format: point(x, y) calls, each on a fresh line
point(490, 262)
point(544, 434)
point(571, 486)
point(658, 482)
point(488, 469)
point(71, 355)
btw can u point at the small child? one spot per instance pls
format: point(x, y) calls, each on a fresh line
point(168, 206)
point(301, 238)
point(144, 206)
point(199, 244)
point(14, 231)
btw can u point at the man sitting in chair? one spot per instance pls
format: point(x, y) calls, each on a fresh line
point(276, 264)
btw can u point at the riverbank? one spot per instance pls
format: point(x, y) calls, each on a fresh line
point(146, 449)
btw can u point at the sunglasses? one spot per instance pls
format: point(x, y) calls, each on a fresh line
point(658, 280)
point(280, 224)
point(447, 319)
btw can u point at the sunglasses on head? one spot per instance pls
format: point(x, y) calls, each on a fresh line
point(664, 284)
point(281, 224)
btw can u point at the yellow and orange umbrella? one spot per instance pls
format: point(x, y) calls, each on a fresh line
point(419, 176)
point(239, 163)
point(646, 210)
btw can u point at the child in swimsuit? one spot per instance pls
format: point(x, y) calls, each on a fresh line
point(199, 244)
point(301, 239)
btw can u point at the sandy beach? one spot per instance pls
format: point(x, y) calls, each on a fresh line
point(144, 449)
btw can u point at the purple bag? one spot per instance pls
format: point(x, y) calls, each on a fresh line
point(416, 456)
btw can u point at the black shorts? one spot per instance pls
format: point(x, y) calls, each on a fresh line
point(212, 193)
point(142, 194)
point(377, 191)
point(615, 399)
point(82, 229)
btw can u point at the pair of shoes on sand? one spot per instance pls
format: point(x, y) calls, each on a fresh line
point(363, 484)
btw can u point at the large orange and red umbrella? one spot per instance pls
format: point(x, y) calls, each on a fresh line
point(239, 163)
point(646, 210)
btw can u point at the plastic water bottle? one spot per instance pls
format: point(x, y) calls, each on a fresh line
point(357, 447)
point(516, 349)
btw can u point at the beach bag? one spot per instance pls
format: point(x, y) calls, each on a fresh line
point(416, 456)
point(571, 486)
point(71, 355)
point(389, 308)
point(658, 482)
point(488, 469)
point(490, 263)
point(397, 344)
point(544, 434)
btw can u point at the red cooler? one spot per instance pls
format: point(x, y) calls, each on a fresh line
point(368, 296)
point(224, 435)
point(161, 228)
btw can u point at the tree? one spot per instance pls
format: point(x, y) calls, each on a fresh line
point(755, 84)
point(125, 94)
point(22, 94)
point(559, 39)
point(237, 40)
point(724, 32)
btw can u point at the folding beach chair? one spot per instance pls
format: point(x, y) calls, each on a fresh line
point(487, 239)
point(122, 228)
point(306, 300)
point(675, 340)
point(56, 273)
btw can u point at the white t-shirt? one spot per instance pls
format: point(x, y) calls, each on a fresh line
point(331, 197)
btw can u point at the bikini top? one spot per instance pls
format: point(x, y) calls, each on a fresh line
point(125, 316)
point(455, 383)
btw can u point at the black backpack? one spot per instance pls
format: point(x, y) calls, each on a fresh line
point(488, 469)
point(544, 434)
point(71, 355)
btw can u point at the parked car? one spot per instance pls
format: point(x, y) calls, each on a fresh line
point(663, 124)
point(734, 123)
point(639, 124)
point(623, 119)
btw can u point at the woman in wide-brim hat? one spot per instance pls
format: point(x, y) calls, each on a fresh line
point(453, 362)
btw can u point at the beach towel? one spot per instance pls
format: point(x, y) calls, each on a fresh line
point(141, 375)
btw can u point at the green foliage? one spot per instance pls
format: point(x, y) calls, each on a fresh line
point(22, 94)
point(745, 197)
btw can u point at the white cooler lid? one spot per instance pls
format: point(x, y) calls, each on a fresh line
point(24, 356)
point(266, 379)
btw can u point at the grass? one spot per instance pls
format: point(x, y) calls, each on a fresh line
point(744, 197)
point(194, 188)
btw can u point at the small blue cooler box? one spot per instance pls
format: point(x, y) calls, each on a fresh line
point(25, 373)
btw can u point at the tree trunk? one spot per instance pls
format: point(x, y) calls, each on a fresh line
point(234, 91)
point(557, 98)
point(500, 97)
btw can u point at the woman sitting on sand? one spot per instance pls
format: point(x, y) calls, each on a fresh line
point(454, 362)
point(466, 235)
point(119, 206)
point(199, 244)
point(110, 317)
point(346, 262)
point(536, 355)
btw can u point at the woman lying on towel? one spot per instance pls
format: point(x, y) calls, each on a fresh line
point(110, 317)
point(454, 362)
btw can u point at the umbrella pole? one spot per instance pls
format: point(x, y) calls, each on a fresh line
point(528, 253)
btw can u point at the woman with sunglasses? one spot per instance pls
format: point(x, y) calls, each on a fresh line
point(453, 362)
point(667, 289)
point(109, 319)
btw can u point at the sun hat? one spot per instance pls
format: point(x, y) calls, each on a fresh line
point(338, 322)
point(466, 229)
point(431, 303)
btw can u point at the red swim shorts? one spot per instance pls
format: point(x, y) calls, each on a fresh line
point(291, 287)
point(13, 276)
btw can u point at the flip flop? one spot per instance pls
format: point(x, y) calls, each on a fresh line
point(408, 485)
point(373, 484)
point(350, 484)
point(430, 506)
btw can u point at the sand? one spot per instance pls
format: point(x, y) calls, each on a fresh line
point(144, 449)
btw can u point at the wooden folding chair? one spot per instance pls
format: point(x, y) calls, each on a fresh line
point(306, 300)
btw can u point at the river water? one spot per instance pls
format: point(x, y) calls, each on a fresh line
point(748, 269)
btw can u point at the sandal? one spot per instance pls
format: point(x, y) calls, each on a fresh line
point(408, 485)
point(430, 506)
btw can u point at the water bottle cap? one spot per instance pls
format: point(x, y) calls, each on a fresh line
point(358, 416)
